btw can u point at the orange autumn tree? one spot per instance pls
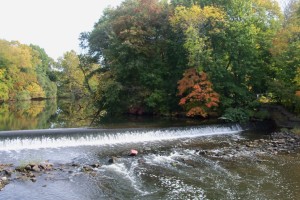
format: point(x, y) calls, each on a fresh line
point(198, 95)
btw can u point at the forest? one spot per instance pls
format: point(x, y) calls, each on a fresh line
point(201, 58)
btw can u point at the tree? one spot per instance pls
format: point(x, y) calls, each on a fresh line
point(230, 40)
point(71, 78)
point(44, 72)
point(135, 43)
point(286, 59)
point(199, 97)
point(23, 72)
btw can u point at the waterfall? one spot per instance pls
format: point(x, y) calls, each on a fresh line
point(107, 137)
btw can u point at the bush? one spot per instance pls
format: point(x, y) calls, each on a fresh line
point(296, 130)
point(236, 115)
point(262, 115)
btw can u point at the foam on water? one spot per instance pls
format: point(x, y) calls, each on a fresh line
point(99, 139)
point(127, 174)
point(180, 190)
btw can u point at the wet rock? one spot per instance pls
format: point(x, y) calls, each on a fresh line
point(20, 169)
point(218, 154)
point(33, 179)
point(87, 169)
point(8, 172)
point(35, 168)
point(250, 145)
point(93, 174)
point(141, 161)
point(147, 149)
point(28, 167)
point(190, 162)
point(291, 140)
point(96, 165)
point(46, 166)
point(203, 152)
point(3, 181)
point(23, 178)
point(30, 174)
point(75, 165)
point(113, 160)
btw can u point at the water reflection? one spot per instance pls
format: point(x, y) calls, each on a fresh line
point(65, 113)
point(45, 114)
point(71, 114)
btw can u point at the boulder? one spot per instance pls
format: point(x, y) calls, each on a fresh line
point(36, 168)
point(8, 172)
point(46, 166)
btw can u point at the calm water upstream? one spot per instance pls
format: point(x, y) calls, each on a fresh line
point(170, 164)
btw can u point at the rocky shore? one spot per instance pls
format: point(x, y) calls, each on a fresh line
point(276, 143)
point(32, 171)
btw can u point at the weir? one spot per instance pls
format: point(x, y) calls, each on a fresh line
point(37, 139)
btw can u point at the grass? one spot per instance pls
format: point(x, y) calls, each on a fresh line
point(296, 130)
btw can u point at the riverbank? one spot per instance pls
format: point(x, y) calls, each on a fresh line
point(282, 117)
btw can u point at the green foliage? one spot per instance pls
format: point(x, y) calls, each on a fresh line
point(77, 75)
point(3, 92)
point(23, 95)
point(23, 72)
point(261, 115)
point(236, 115)
point(286, 59)
point(108, 95)
point(246, 48)
point(296, 130)
point(136, 44)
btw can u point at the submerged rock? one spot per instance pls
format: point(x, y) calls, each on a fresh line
point(112, 160)
point(87, 169)
point(96, 165)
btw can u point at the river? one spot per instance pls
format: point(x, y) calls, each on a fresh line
point(180, 160)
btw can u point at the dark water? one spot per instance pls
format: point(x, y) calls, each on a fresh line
point(169, 165)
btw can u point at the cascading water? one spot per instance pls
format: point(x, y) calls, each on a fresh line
point(102, 137)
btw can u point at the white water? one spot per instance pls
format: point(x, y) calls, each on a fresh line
point(100, 139)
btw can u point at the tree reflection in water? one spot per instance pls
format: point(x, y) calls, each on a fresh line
point(45, 114)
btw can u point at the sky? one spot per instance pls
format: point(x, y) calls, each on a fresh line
point(54, 25)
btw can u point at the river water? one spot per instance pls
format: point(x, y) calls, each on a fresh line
point(179, 162)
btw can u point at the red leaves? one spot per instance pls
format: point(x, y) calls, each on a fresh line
point(198, 93)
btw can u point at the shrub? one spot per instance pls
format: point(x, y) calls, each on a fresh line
point(236, 115)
